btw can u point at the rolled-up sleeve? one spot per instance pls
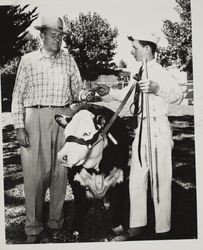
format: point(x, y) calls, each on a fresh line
point(17, 107)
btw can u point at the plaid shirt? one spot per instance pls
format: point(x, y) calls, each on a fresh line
point(43, 81)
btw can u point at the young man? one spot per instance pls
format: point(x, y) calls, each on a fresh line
point(152, 146)
point(47, 82)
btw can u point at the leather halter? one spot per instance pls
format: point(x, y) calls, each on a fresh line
point(89, 143)
point(102, 132)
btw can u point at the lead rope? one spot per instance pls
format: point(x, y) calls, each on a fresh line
point(150, 143)
point(113, 118)
point(103, 132)
point(138, 94)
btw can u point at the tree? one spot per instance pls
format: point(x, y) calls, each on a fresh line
point(11, 66)
point(179, 36)
point(14, 21)
point(92, 43)
point(122, 64)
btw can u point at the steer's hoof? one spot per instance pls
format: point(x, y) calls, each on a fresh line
point(122, 237)
point(76, 236)
point(118, 230)
point(120, 234)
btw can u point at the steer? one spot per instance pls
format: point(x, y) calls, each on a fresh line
point(98, 165)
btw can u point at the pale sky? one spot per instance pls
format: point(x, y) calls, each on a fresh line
point(129, 16)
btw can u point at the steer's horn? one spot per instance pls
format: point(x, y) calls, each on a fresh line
point(99, 120)
point(62, 120)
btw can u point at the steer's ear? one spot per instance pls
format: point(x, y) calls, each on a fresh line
point(99, 121)
point(62, 120)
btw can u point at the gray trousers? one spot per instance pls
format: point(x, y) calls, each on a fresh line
point(41, 169)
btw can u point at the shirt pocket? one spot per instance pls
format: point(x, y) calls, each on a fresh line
point(61, 79)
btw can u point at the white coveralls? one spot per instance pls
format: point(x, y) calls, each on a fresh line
point(161, 148)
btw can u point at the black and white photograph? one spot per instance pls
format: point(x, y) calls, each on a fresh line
point(101, 120)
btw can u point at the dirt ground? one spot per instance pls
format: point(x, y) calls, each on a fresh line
point(97, 227)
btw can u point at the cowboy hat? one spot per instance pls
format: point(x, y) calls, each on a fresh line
point(51, 22)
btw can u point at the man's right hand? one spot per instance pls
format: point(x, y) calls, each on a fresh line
point(23, 137)
point(101, 89)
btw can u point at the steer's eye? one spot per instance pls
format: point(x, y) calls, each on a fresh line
point(86, 133)
point(65, 157)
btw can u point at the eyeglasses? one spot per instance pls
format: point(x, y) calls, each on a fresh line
point(56, 36)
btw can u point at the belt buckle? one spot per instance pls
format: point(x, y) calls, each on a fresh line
point(50, 107)
point(65, 105)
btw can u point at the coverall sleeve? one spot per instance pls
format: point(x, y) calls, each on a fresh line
point(169, 90)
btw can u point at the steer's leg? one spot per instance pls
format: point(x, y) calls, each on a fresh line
point(80, 204)
point(120, 205)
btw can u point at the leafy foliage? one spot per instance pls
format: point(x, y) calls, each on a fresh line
point(179, 36)
point(12, 65)
point(91, 41)
point(14, 21)
point(122, 64)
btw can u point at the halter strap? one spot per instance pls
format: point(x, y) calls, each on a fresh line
point(81, 141)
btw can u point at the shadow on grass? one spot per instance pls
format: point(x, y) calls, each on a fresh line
point(9, 133)
point(12, 181)
point(184, 213)
point(183, 154)
point(11, 200)
point(15, 231)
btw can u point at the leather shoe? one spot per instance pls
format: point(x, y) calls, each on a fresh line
point(163, 236)
point(33, 239)
point(131, 235)
point(54, 233)
point(122, 237)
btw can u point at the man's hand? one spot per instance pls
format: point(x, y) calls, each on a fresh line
point(101, 89)
point(23, 137)
point(87, 95)
point(148, 86)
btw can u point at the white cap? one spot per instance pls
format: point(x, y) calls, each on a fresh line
point(150, 37)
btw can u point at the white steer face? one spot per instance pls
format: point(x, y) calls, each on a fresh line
point(78, 130)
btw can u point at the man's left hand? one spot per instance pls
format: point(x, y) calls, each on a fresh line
point(148, 86)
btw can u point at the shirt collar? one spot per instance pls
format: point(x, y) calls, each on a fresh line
point(152, 62)
point(41, 54)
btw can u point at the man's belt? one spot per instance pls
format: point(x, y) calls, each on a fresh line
point(49, 106)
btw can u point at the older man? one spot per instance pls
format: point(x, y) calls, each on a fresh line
point(152, 146)
point(47, 82)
